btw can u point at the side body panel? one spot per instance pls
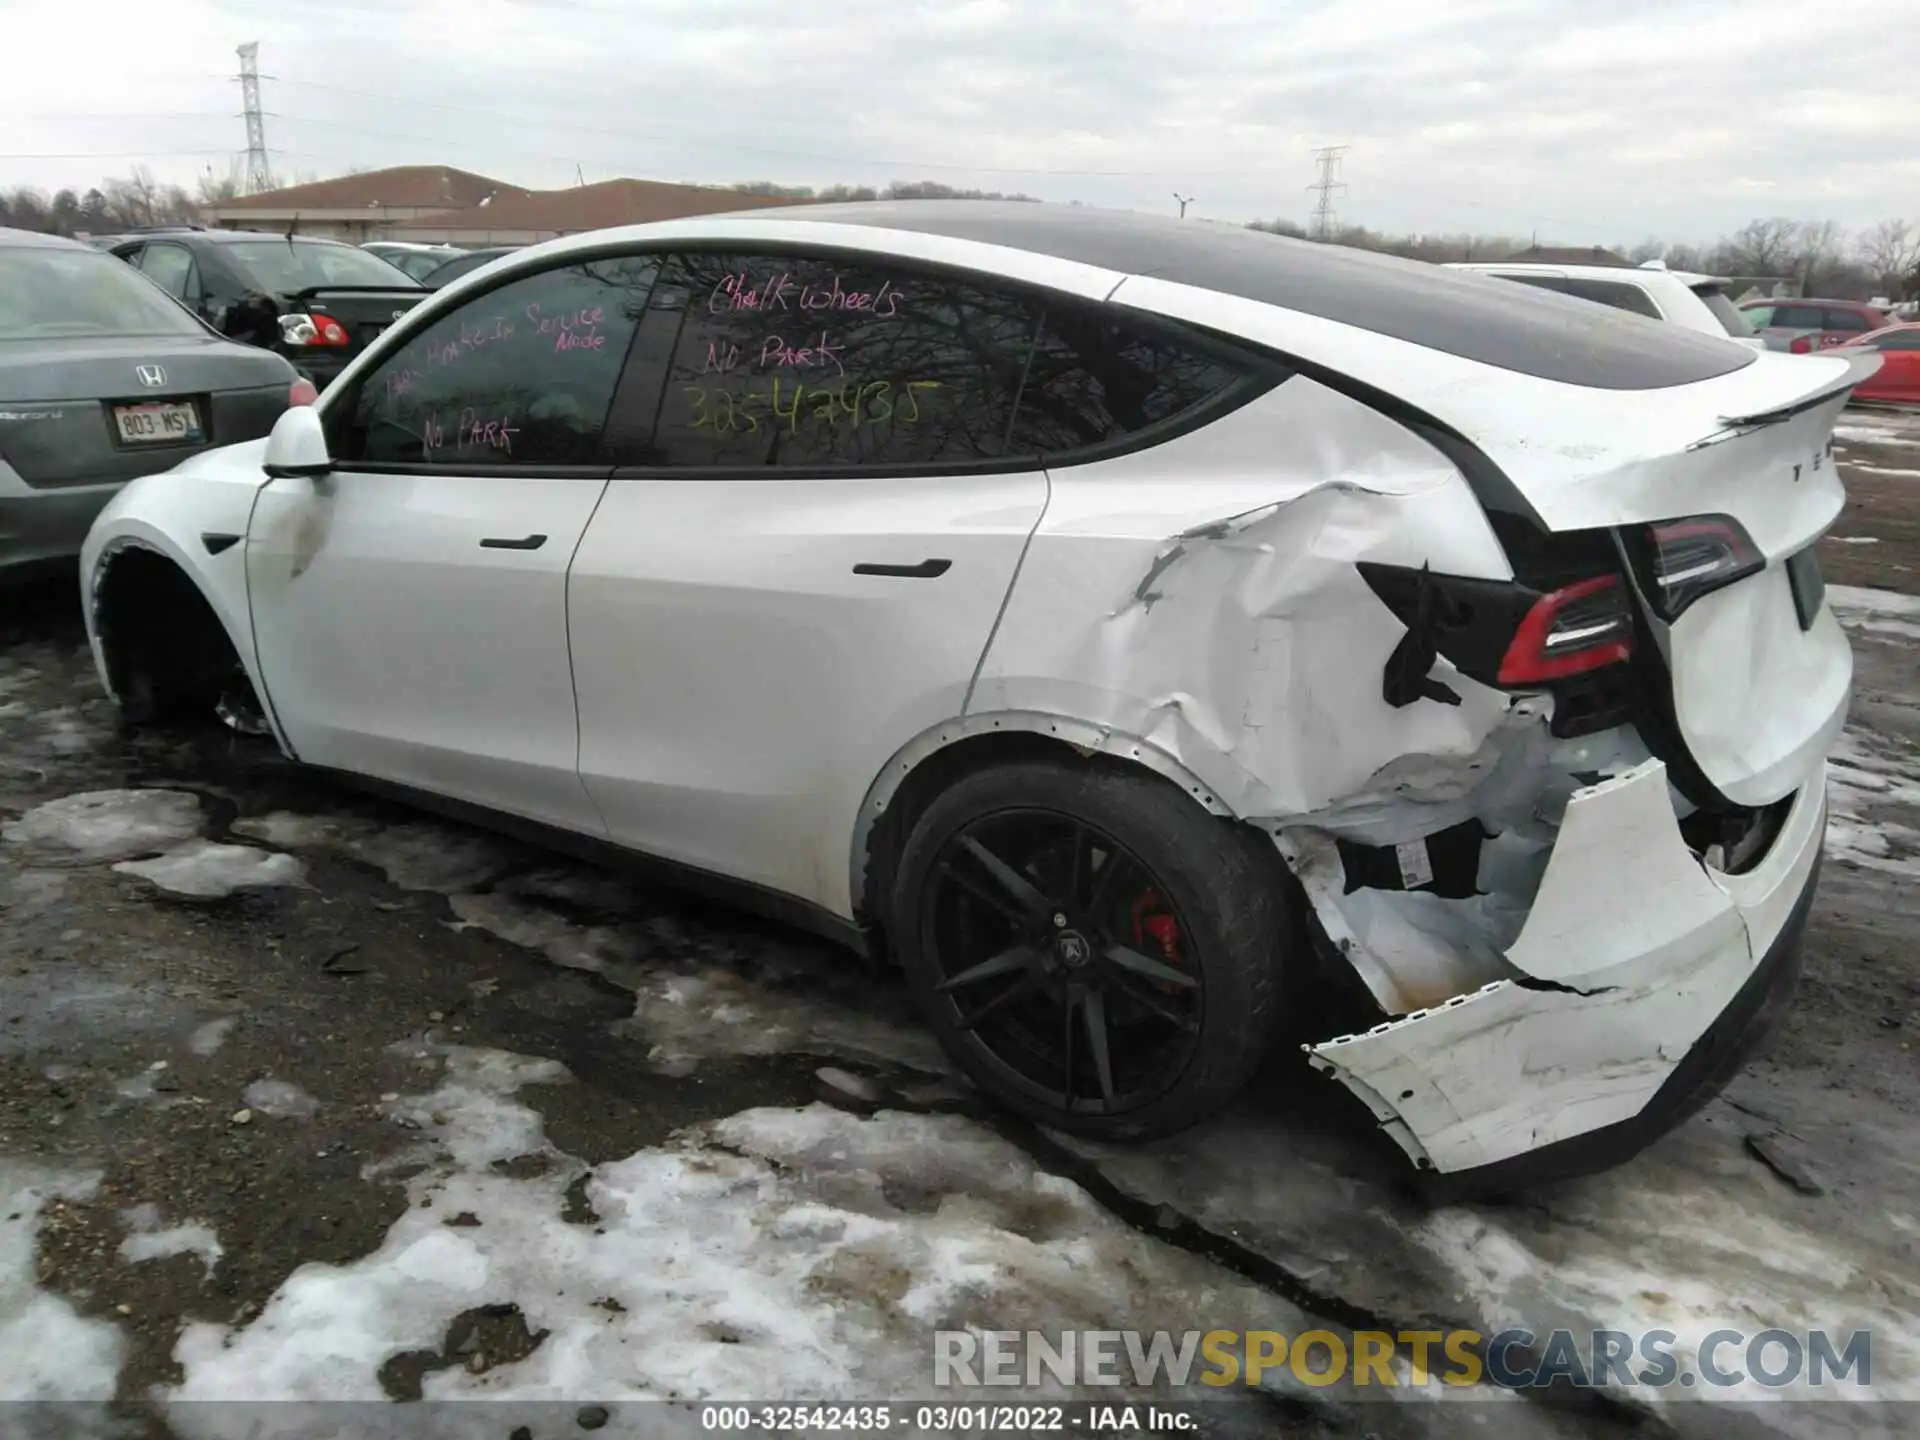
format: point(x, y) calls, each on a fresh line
point(395, 644)
point(740, 684)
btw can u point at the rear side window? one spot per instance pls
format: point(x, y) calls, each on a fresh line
point(807, 361)
point(520, 375)
point(1094, 380)
point(1799, 317)
point(1618, 294)
point(1899, 340)
point(1848, 320)
point(1759, 316)
point(1732, 318)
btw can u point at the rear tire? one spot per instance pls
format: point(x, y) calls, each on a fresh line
point(1095, 951)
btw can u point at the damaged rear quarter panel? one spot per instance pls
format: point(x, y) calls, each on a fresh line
point(1202, 596)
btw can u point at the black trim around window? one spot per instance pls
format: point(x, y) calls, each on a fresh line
point(1260, 371)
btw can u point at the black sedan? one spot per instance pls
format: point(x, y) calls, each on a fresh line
point(317, 302)
point(103, 379)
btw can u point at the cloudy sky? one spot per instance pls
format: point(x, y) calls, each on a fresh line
point(1592, 123)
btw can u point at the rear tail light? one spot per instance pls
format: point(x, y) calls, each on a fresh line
point(1695, 556)
point(1801, 345)
point(1570, 631)
point(301, 392)
point(312, 329)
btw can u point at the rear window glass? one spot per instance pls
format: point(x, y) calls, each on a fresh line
point(1092, 381)
point(1618, 294)
point(280, 267)
point(1732, 318)
point(47, 293)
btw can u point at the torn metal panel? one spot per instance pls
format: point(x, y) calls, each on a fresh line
point(1631, 950)
point(1228, 626)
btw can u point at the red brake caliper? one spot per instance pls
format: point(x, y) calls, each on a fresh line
point(1151, 921)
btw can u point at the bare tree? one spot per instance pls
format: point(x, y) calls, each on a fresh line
point(1891, 253)
point(1759, 247)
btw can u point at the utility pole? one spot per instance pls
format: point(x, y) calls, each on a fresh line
point(1327, 187)
point(259, 174)
point(1185, 200)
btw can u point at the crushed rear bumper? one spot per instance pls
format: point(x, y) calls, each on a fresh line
point(1635, 988)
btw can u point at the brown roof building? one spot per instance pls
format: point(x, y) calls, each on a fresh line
point(362, 207)
point(525, 216)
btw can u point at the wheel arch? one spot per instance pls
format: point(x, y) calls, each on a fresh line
point(145, 565)
point(934, 759)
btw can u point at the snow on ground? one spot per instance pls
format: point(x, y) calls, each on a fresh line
point(208, 870)
point(1866, 469)
point(280, 1099)
point(109, 824)
point(48, 1350)
point(797, 1254)
point(1679, 1251)
point(414, 856)
point(148, 1239)
point(1868, 775)
point(1872, 435)
point(208, 1038)
point(1882, 614)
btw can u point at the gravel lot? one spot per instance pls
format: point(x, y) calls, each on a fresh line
point(420, 1112)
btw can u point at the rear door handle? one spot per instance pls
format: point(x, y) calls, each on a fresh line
point(925, 570)
point(500, 542)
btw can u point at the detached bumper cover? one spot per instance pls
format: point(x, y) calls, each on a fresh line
point(1639, 971)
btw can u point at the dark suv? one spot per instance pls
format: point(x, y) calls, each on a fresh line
point(317, 302)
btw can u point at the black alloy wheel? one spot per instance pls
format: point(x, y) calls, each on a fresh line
point(1094, 949)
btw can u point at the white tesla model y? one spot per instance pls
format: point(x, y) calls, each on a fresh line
point(1136, 629)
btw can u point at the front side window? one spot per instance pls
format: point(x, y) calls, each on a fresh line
point(47, 293)
point(521, 375)
point(1619, 295)
point(1096, 378)
point(806, 361)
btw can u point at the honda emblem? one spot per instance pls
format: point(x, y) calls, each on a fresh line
point(151, 376)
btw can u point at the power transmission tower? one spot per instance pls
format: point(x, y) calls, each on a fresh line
point(1327, 187)
point(259, 175)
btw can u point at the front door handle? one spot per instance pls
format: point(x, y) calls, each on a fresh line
point(500, 542)
point(925, 570)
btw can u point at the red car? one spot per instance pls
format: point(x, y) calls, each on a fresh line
point(1898, 379)
point(1803, 326)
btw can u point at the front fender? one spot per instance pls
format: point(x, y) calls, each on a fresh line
point(197, 517)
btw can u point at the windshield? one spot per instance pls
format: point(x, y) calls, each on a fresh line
point(53, 292)
point(280, 267)
point(1731, 317)
point(419, 263)
point(454, 269)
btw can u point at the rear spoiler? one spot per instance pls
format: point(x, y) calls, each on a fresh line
point(313, 292)
point(1859, 367)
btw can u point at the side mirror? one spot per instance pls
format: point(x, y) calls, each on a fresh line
point(298, 445)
